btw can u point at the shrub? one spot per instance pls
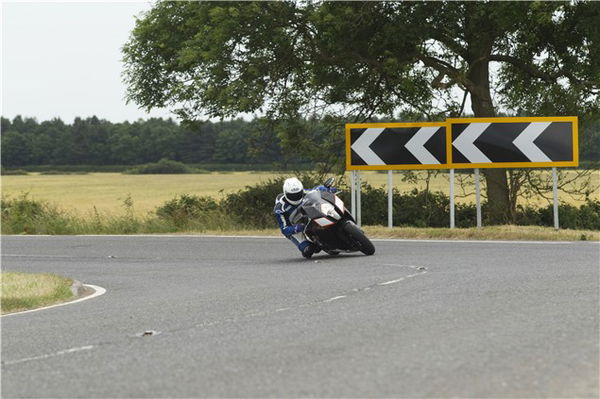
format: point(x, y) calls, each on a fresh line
point(182, 210)
point(252, 167)
point(432, 209)
point(422, 209)
point(589, 214)
point(586, 217)
point(58, 172)
point(528, 216)
point(76, 168)
point(13, 172)
point(415, 208)
point(164, 166)
point(253, 206)
point(24, 215)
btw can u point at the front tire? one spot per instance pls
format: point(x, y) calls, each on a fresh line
point(356, 234)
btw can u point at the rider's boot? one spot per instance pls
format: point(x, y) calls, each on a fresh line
point(308, 251)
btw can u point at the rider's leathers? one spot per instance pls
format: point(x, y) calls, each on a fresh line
point(288, 216)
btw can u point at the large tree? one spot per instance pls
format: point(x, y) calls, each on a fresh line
point(358, 60)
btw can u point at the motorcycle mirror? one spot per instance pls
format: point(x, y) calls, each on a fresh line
point(329, 182)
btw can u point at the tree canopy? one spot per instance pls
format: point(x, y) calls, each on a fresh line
point(352, 61)
point(223, 58)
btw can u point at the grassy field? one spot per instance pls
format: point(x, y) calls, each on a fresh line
point(107, 191)
point(23, 291)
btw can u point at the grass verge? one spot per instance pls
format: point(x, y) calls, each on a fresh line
point(508, 233)
point(25, 291)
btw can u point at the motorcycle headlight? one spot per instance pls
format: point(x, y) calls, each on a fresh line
point(329, 210)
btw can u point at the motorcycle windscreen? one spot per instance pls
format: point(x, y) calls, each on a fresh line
point(312, 197)
point(334, 200)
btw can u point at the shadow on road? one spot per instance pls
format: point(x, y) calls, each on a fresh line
point(324, 258)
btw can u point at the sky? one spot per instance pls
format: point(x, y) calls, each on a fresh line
point(63, 59)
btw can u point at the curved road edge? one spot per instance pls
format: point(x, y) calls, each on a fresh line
point(98, 291)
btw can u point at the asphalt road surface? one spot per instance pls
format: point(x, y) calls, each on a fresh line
point(248, 317)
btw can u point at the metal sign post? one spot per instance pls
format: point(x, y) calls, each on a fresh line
point(353, 193)
point(390, 199)
point(358, 207)
point(451, 198)
point(555, 195)
point(478, 198)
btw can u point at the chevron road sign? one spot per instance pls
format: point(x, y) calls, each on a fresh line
point(378, 146)
point(513, 142)
point(461, 143)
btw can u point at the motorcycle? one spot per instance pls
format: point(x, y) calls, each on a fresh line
point(329, 225)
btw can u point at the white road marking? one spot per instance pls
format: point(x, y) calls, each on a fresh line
point(421, 269)
point(475, 241)
point(256, 314)
point(98, 291)
point(335, 298)
point(393, 281)
point(49, 355)
point(38, 256)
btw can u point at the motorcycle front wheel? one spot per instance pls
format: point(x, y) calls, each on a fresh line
point(355, 233)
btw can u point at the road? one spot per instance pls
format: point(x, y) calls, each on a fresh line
point(248, 317)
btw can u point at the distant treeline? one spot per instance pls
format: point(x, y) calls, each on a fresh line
point(94, 141)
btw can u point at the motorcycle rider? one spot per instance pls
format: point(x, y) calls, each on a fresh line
point(285, 205)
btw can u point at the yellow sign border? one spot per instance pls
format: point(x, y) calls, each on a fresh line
point(350, 126)
point(572, 119)
point(451, 165)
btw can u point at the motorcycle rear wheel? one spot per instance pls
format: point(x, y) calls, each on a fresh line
point(365, 245)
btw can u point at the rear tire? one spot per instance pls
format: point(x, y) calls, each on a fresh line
point(365, 245)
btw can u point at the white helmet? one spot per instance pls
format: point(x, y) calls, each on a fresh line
point(293, 191)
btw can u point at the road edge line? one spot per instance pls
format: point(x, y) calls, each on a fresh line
point(97, 292)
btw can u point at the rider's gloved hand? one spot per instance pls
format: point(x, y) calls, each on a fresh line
point(299, 228)
point(330, 189)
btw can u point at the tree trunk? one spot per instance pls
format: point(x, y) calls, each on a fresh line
point(498, 209)
point(479, 49)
